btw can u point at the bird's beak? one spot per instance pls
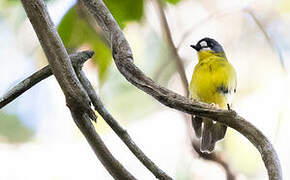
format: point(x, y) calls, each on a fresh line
point(197, 48)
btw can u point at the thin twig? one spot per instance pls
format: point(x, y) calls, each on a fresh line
point(76, 97)
point(78, 60)
point(110, 163)
point(178, 60)
point(124, 61)
point(38, 76)
point(212, 156)
point(229, 12)
point(267, 36)
point(201, 22)
point(279, 53)
point(122, 133)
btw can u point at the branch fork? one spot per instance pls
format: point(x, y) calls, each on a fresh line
point(123, 59)
point(79, 92)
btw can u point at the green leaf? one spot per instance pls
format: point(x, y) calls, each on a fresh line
point(12, 129)
point(125, 10)
point(173, 1)
point(75, 32)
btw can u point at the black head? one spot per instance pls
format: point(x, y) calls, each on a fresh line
point(208, 44)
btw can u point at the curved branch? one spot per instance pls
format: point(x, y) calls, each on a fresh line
point(110, 163)
point(78, 60)
point(76, 97)
point(195, 145)
point(124, 60)
point(38, 76)
point(122, 133)
point(215, 158)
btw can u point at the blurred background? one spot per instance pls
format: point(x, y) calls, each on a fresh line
point(39, 140)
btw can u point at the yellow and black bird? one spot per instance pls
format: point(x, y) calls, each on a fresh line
point(214, 81)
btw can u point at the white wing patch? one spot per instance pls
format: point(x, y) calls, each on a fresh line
point(229, 95)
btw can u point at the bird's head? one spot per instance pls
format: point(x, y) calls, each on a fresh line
point(208, 44)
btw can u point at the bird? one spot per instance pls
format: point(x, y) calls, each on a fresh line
point(214, 81)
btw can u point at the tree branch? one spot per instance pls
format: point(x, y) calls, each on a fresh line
point(38, 76)
point(180, 68)
point(267, 36)
point(76, 96)
point(200, 23)
point(78, 60)
point(110, 163)
point(178, 60)
point(124, 60)
point(122, 133)
point(216, 158)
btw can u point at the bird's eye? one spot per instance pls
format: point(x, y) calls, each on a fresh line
point(203, 44)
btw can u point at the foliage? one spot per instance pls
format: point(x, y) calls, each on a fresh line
point(75, 31)
point(125, 10)
point(173, 1)
point(12, 129)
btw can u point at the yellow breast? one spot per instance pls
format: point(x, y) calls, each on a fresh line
point(213, 80)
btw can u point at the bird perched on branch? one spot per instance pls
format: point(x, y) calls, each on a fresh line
point(214, 81)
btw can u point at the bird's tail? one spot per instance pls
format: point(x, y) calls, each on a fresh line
point(197, 125)
point(207, 142)
point(210, 133)
point(219, 131)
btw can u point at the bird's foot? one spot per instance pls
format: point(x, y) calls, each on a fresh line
point(229, 106)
